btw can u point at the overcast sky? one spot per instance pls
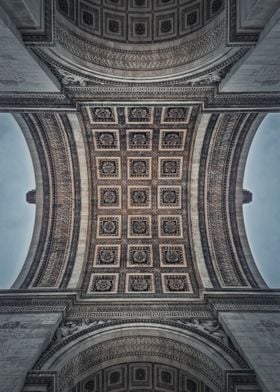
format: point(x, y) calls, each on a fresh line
point(262, 216)
point(16, 215)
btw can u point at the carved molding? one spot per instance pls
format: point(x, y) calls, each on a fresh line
point(135, 60)
point(138, 346)
point(220, 237)
point(60, 225)
point(193, 342)
point(207, 97)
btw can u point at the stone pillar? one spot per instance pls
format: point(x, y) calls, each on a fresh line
point(259, 70)
point(254, 14)
point(25, 13)
point(257, 337)
point(23, 337)
point(20, 69)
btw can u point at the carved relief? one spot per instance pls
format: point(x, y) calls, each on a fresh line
point(104, 283)
point(170, 168)
point(108, 226)
point(169, 197)
point(170, 226)
point(107, 256)
point(140, 256)
point(106, 140)
point(139, 140)
point(139, 168)
point(139, 283)
point(139, 196)
point(176, 282)
point(139, 226)
point(175, 114)
point(109, 196)
point(102, 115)
point(172, 255)
point(108, 168)
point(172, 140)
point(210, 327)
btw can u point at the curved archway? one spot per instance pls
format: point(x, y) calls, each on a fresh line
point(227, 140)
point(195, 355)
point(49, 142)
point(153, 376)
point(141, 42)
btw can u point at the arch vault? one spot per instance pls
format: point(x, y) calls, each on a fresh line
point(139, 274)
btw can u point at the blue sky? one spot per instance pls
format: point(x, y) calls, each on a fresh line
point(16, 215)
point(262, 216)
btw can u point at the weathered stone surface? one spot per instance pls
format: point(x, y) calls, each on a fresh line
point(20, 71)
point(259, 70)
point(26, 14)
point(139, 194)
point(254, 14)
point(22, 339)
point(257, 337)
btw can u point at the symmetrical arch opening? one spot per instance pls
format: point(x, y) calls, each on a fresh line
point(155, 357)
point(72, 150)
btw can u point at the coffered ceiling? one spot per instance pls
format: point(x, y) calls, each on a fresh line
point(139, 172)
point(140, 21)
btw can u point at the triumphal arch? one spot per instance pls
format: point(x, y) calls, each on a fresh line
point(139, 115)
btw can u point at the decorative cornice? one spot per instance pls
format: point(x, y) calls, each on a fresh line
point(76, 77)
point(77, 308)
point(34, 102)
point(249, 301)
point(26, 301)
point(207, 96)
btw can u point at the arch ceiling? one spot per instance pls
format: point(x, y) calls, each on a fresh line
point(139, 41)
point(136, 202)
point(139, 158)
point(140, 21)
point(169, 357)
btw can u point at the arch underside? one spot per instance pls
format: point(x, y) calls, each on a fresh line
point(139, 143)
point(152, 357)
point(127, 41)
point(141, 202)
